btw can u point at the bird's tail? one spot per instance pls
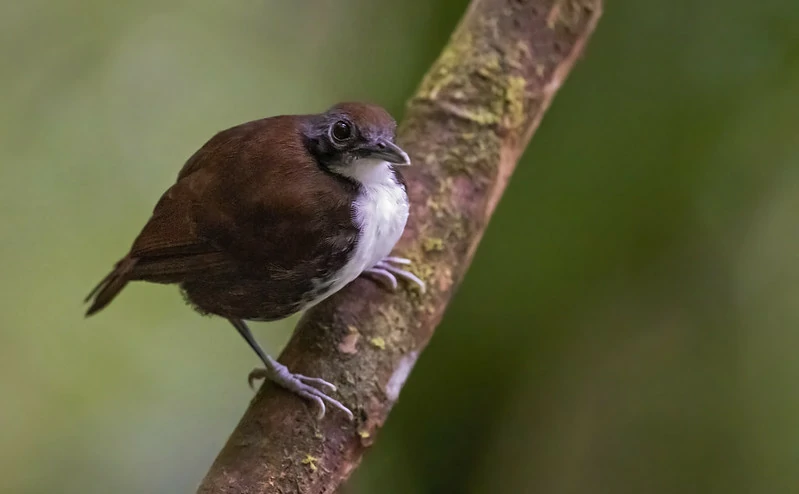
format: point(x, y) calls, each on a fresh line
point(110, 286)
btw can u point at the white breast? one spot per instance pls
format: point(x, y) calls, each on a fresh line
point(380, 212)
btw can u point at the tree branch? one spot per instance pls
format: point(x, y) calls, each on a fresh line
point(465, 129)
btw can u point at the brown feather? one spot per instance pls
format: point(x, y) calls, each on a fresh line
point(228, 233)
point(110, 286)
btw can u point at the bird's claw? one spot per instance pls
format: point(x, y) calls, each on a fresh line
point(386, 271)
point(309, 388)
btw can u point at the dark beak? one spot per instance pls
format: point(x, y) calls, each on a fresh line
point(387, 150)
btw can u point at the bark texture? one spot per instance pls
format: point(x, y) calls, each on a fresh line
point(465, 128)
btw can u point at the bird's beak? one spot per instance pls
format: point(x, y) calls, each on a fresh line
point(387, 150)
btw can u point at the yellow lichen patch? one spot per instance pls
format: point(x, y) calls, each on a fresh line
point(433, 244)
point(440, 209)
point(477, 114)
point(366, 437)
point(420, 268)
point(515, 96)
point(392, 323)
point(452, 84)
point(311, 462)
point(441, 75)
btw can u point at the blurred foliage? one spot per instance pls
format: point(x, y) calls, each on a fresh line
point(629, 323)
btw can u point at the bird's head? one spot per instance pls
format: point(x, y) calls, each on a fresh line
point(355, 140)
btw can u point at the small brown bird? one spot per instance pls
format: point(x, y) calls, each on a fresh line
point(271, 217)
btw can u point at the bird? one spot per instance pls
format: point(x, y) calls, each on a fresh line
point(272, 216)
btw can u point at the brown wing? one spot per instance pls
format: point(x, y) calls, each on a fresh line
point(251, 199)
point(169, 248)
point(219, 147)
point(179, 235)
point(266, 201)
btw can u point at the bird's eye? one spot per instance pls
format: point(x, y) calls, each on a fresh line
point(341, 131)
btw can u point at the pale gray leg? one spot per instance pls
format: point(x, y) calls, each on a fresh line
point(280, 375)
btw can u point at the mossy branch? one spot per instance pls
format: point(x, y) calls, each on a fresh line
point(465, 129)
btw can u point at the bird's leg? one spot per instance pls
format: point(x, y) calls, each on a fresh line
point(304, 386)
point(388, 271)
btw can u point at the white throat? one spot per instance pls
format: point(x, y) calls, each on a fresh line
point(368, 172)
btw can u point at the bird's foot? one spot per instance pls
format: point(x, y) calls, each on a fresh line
point(310, 388)
point(387, 271)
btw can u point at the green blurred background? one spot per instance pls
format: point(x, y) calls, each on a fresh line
point(629, 323)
